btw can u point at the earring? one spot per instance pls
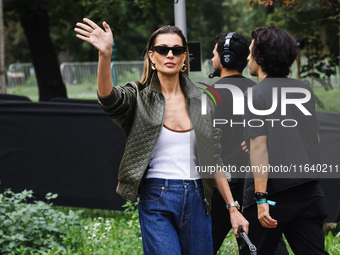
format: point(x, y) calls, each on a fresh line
point(184, 68)
point(153, 66)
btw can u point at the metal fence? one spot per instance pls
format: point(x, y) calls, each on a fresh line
point(18, 74)
point(80, 78)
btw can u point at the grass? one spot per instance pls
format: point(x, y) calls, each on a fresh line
point(329, 99)
point(118, 232)
point(229, 246)
point(108, 232)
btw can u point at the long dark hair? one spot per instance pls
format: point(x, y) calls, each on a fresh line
point(274, 50)
point(147, 74)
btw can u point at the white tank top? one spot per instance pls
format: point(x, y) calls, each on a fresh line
point(174, 156)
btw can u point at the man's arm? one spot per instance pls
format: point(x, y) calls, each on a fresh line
point(259, 163)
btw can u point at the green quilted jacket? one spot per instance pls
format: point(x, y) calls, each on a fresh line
point(140, 111)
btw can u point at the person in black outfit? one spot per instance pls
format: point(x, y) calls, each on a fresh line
point(236, 48)
point(285, 136)
point(232, 154)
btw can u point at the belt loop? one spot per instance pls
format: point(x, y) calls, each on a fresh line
point(166, 184)
point(196, 184)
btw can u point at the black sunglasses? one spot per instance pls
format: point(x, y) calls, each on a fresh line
point(164, 50)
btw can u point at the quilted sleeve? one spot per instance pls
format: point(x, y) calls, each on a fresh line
point(120, 104)
point(217, 146)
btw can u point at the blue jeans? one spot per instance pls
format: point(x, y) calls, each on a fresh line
point(173, 218)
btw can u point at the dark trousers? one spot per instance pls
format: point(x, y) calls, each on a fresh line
point(301, 222)
point(221, 221)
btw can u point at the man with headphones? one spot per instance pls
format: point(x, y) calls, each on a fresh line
point(229, 59)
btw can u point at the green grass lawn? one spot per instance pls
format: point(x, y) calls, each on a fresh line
point(118, 232)
point(330, 99)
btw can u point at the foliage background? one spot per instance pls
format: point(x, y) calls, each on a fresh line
point(29, 227)
point(133, 21)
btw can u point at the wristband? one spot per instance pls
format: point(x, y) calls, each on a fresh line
point(261, 201)
point(273, 203)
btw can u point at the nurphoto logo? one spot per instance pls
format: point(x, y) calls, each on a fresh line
point(238, 105)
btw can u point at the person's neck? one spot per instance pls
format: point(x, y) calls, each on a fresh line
point(225, 72)
point(261, 75)
point(170, 85)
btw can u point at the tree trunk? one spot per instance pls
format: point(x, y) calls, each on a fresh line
point(44, 58)
point(2, 53)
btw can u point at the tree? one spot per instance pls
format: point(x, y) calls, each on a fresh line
point(2, 53)
point(34, 19)
point(133, 22)
point(316, 26)
point(316, 22)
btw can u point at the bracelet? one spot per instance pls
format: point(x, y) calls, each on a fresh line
point(236, 204)
point(261, 201)
point(273, 203)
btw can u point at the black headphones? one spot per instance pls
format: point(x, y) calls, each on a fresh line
point(227, 57)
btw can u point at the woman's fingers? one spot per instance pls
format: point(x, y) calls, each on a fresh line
point(82, 32)
point(106, 27)
point(91, 23)
point(83, 38)
point(235, 232)
point(86, 30)
point(85, 27)
point(90, 32)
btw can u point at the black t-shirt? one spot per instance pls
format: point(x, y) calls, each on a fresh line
point(232, 134)
point(292, 136)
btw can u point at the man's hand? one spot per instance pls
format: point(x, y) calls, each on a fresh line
point(264, 216)
point(245, 147)
point(237, 220)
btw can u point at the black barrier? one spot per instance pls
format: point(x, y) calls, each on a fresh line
point(73, 149)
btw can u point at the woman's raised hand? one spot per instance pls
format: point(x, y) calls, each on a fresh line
point(93, 34)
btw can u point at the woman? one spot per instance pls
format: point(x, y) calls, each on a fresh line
point(166, 137)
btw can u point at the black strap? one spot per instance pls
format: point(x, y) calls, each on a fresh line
point(252, 247)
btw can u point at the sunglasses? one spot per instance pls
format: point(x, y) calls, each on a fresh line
point(164, 50)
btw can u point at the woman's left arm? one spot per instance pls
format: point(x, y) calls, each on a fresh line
point(236, 218)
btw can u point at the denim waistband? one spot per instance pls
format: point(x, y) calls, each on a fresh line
point(171, 182)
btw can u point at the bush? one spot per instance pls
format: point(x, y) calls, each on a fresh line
point(119, 235)
point(34, 228)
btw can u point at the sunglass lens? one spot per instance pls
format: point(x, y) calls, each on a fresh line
point(177, 51)
point(163, 50)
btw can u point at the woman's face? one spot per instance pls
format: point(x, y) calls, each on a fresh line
point(168, 63)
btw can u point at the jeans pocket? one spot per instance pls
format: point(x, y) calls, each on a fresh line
point(151, 194)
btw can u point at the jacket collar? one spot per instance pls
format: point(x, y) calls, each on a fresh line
point(189, 89)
